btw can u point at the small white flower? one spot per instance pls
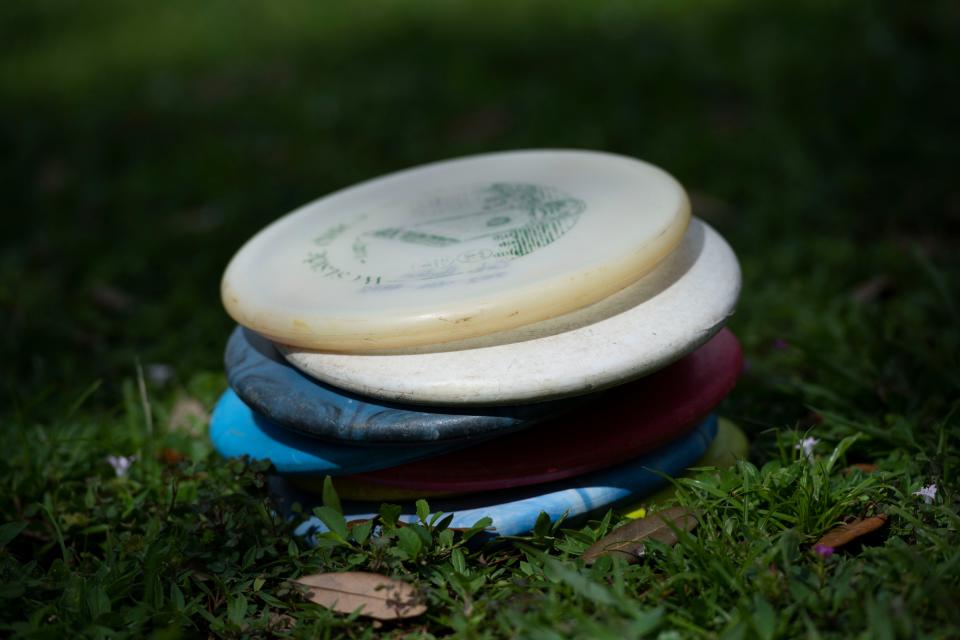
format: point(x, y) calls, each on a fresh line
point(121, 464)
point(928, 493)
point(806, 446)
point(159, 373)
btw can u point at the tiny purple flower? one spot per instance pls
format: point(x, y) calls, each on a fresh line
point(780, 344)
point(823, 550)
point(928, 493)
point(121, 464)
point(159, 373)
point(806, 446)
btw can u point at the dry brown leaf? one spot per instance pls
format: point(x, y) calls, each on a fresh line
point(170, 456)
point(850, 531)
point(380, 597)
point(865, 467)
point(627, 542)
point(187, 414)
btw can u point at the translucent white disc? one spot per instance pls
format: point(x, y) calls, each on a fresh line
point(657, 320)
point(456, 249)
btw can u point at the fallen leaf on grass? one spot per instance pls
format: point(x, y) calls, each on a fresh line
point(380, 597)
point(865, 467)
point(187, 414)
point(850, 531)
point(170, 456)
point(627, 542)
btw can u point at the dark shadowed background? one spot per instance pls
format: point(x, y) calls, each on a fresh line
point(144, 142)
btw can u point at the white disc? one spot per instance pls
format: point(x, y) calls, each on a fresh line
point(456, 249)
point(655, 321)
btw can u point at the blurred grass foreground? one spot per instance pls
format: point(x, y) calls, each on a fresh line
point(143, 143)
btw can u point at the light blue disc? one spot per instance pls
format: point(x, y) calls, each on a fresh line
point(236, 430)
point(514, 512)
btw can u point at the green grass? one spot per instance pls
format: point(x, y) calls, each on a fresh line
point(143, 144)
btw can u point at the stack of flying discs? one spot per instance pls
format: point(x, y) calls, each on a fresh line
point(505, 334)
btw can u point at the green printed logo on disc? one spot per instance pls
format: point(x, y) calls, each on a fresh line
point(462, 237)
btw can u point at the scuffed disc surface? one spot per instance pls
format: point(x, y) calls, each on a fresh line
point(275, 389)
point(514, 512)
point(456, 249)
point(236, 431)
point(656, 321)
point(621, 424)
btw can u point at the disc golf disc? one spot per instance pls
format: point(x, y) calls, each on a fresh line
point(455, 249)
point(236, 431)
point(730, 445)
point(622, 424)
point(514, 512)
point(278, 391)
point(657, 320)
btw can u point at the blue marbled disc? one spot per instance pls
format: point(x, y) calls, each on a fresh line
point(514, 512)
point(275, 389)
point(236, 430)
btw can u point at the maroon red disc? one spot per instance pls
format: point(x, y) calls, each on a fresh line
point(620, 425)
